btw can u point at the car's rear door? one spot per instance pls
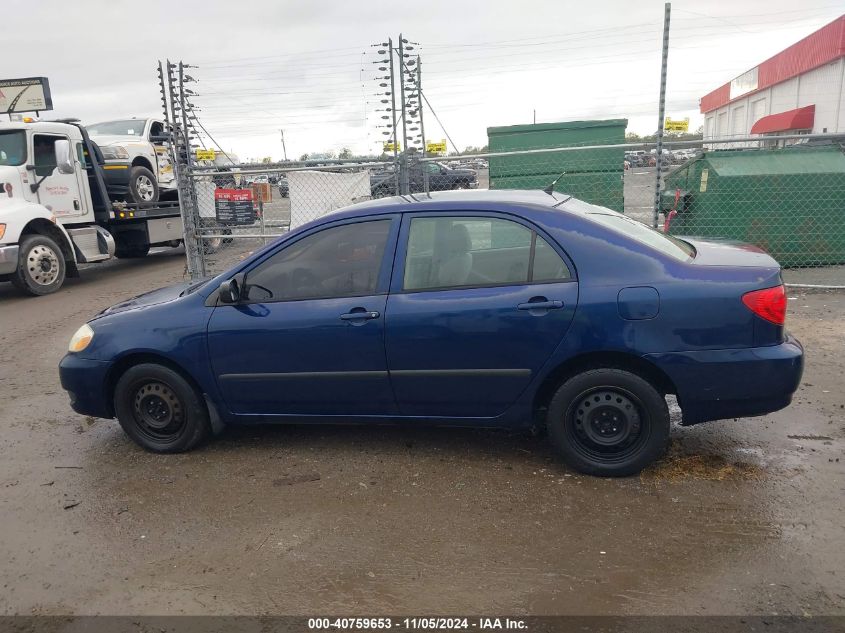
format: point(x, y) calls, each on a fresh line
point(308, 339)
point(478, 303)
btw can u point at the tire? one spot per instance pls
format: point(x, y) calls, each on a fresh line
point(41, 266)
point(626, 429)
point(160, 410)
point(131, 251)
point(462, 184)
point(143, 186)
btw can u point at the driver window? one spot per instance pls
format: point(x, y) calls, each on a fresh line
point(156, 129)
point(44, 154)
point(342, 261)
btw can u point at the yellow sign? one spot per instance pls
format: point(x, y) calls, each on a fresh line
point(434, 147)
point(681, 125)
point(205, 154)
point(391, 147)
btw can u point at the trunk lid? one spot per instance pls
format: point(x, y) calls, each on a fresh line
point(730, 253)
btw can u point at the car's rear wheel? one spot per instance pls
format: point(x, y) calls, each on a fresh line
point(160, 410)
point(608, 422)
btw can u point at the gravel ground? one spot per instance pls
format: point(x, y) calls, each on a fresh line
point(741, 517)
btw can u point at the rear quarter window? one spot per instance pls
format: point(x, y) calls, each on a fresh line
point(666, 244)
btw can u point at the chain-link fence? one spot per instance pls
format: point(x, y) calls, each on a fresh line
point(783, 194)
point(239, 208)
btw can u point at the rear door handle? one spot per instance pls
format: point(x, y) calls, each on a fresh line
point(540, 305)
point(360, 315)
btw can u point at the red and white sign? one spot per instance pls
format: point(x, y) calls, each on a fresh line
point(233, 195)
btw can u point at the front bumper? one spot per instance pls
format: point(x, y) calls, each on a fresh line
point(86, 383)
point(9, 259)
point(116, 175)
point(734, 383)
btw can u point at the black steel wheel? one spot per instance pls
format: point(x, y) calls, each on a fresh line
point(160, 410)
point(609, 422)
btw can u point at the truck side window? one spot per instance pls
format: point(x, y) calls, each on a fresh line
point(81, 155)
point(44, 154)
point(156, 129)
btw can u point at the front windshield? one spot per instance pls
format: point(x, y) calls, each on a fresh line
point(12, 147)
point(131, 127)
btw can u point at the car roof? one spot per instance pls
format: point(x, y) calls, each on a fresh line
point(483, 198)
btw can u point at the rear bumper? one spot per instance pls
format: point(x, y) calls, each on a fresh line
point(8, 259)
point(733, 383)
point(85, 382)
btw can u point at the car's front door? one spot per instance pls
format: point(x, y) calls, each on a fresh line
point(164, 167)
point(308, 337)
point(478, 303)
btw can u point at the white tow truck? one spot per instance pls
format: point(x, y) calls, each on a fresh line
point(136, 156)
point(55, 209)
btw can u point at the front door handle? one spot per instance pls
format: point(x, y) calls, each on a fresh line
point(541, 303)
point(360, 314)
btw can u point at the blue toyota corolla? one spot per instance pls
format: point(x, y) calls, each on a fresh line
point(471, 308)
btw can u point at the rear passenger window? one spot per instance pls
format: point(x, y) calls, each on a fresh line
point(475, 252)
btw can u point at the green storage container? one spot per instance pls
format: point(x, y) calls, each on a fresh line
point(593, 175)
point(790, 201)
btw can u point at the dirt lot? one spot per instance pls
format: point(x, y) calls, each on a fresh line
point(742, 517)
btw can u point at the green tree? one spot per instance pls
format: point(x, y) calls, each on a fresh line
point(304, 157)
point(345, 154)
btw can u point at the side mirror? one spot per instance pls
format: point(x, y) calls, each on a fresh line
point(230, 291)
point(64, 160)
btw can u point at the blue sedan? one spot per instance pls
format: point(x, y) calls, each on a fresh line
point(473, 308)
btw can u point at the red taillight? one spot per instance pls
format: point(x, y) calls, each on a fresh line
point(769, 304)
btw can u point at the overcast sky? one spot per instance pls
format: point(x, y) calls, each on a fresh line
point(271, 64)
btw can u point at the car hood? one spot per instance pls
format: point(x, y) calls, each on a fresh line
point(154, 297)
point(463, 172)
point(729, 253)
point(113, 139)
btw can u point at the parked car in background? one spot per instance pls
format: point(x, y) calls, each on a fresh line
point(440, 178)
point(490, 309)
point(282, 184)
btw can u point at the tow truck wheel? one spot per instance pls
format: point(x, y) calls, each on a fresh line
point(142, 185)
point(41, 266)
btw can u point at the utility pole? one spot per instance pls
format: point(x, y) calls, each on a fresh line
point(422, 125)
point(404, 163)
point(393, 114)
point(661, 108)
point(284, 149)
point(535, 116)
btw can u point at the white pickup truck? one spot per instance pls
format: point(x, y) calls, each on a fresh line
point(138, 163)
point(56, 212)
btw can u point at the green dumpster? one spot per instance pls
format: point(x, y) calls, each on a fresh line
point(593, 175)
point(788, 201)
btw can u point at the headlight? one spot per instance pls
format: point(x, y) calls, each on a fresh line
point(111, 152)
point(81, 339)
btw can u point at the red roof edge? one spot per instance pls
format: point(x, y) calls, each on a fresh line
point(798, 119)
point(820, 47)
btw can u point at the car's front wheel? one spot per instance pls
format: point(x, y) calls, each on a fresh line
point(160, 410)
point(608, 422)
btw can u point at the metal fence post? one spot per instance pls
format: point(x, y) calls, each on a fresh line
point(661, 113)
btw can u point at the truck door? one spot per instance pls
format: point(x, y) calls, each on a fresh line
point(60, 193)
point(164, 167)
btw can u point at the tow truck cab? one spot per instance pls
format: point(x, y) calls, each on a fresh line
point(55, 210)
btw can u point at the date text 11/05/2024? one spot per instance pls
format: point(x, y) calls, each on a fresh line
point(418, 623)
